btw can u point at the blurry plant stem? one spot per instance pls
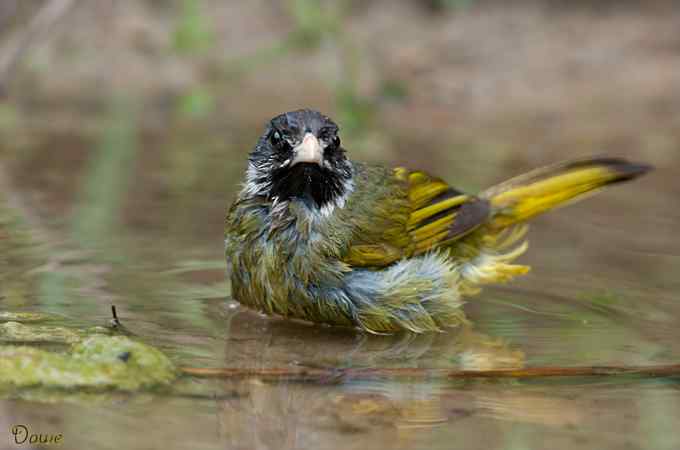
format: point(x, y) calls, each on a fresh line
point(354, 109)
point(321, 375)
point(39, 26)
point(98, 212)
point(106, 180)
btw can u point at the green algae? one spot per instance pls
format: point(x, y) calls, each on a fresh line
point(98, 362)
point(24, 317)
point(15, 332)
point(97, 358)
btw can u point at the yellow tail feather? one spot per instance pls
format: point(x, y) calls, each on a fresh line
point(528, 195)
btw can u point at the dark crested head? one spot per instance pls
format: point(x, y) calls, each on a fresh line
point(300, 157)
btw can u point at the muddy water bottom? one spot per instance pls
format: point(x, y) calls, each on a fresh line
point(602, 415)
point(176, 309)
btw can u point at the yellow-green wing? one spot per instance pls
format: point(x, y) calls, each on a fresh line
point(438, 215)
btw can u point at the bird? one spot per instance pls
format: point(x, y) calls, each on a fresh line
point(315, 236)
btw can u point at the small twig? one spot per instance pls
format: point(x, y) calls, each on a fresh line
point(42, 22)
point(115, 322)
point(275, 374)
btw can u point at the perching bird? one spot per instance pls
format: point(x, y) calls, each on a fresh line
point(316, 236)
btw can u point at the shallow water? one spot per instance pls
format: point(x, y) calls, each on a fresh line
point(603, 290)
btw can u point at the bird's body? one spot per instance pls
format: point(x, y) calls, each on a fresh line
point(317, 237)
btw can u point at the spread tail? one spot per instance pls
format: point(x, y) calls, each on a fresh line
point(489, 251)
point(540, 190)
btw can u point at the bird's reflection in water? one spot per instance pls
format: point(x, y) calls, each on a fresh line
point(290, 414)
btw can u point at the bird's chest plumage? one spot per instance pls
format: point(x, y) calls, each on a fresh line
point(285, 265)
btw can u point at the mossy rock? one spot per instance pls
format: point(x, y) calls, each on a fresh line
point(101, 362)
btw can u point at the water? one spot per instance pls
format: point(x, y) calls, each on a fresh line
point(134, 219)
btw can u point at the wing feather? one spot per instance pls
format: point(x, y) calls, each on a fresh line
point(438, 216)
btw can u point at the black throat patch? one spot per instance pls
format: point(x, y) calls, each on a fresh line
point(308, 182)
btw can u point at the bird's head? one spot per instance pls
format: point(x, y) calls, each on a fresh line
point(299, 157)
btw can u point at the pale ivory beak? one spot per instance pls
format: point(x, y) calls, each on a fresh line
point(309, 151)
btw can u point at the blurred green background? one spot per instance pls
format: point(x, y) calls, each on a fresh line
point(124, 131)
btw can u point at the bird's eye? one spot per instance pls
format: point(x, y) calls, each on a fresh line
point(280, 143)
point(335, 142)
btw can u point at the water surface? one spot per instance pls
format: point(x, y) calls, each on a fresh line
point(131, 222)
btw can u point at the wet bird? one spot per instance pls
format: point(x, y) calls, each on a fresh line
point(313, 235)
